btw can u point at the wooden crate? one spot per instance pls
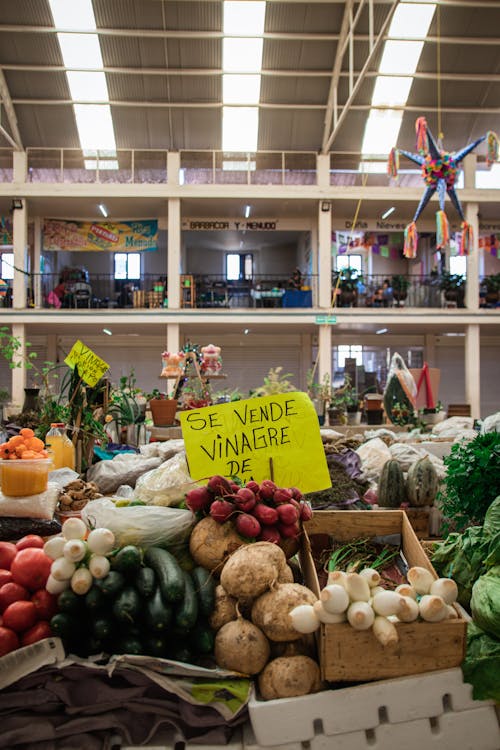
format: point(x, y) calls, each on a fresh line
point(348, 655)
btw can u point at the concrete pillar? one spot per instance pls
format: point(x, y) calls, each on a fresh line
point(19, 373)
point(469, 166)
point(173, 337)
point(323, 170)
point(472, 288)
point(37, 253)
point(472, 369)
point(173, 167)
point(20, 240)
point(20, 166)
point(325, 253)
point(174, 252)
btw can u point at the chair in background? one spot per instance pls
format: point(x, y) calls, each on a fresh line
point(82, 294)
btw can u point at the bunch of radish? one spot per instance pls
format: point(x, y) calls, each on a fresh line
point(77, 559)
point(360, 600)
point(260, 511)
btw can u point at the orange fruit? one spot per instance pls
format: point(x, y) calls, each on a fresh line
point(27, 432)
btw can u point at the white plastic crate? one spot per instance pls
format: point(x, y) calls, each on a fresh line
point(361, 708)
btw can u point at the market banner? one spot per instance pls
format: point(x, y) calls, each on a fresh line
point(272, 437)
point(5, 230)
point(117, 237)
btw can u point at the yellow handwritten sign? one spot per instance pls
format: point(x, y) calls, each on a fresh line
point(90, 366)
point(240, 438)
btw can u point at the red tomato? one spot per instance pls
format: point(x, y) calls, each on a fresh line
point(31, 568)
point(8, 641)
point(8, 552)
point(11, 592)
point(20, 616)
point(45, 603)
point(31, 540)
point(37, 633)
point(5, 576)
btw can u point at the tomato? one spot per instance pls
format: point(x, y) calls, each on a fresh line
point(8, 552)
point(19, 616)
point(37, 633)
point(45, 603)
point(11, 592)
point(8, 641)
point(31, 540)
point(5, 576)
point(31, 568)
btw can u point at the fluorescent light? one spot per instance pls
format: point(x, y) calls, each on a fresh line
point(246, 331)
point(388, 212)
point(239, 128)
point(247, 212)
point(107, 331)
point(382, 330)
point(102, 208)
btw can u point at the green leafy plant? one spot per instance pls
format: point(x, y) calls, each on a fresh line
point(318, 391)
point(400, 283)
point(471, 481)
point(275, 382)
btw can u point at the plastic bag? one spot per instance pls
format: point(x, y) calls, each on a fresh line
point(491, 423)
point(400, 392)
point(41, 505)
point(374, 453)
point(141, 525)
point(166, 485)
point(124, 468)
point(163, 449)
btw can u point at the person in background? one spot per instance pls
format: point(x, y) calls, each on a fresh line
point(295, 281)
point(387, 298)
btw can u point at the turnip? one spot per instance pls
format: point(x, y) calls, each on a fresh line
point(421, 579)
point(282, 495)
point(220, 510)
point(269, 534)
point(211, 543)
point(224, 609)
point(446, 588)
point(360, 615)
point(219, 485)
point(287, 513)
point(245, 499)
point(248, 526)
point(199, 498)
point(265, 514)
point(252, 569)
point(267, 489)
point(289, 677)
point(433, 608)
point(385, 632)
point(242, 647)
point(271, 611)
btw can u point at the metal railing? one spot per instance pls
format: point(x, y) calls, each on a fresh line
point(72, 165)
point(259, 168)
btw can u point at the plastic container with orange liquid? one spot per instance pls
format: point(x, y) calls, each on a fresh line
point(60, 447)
point(24, 476)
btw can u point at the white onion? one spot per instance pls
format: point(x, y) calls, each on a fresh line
point(360, 615)
point(327, 617)
point(74, 528)
point(101, 541)
point(62, 569)
point(384, 631)
point(446, 588)
point(371, 576)
point(56, 587)
point(99, 566)
point(433, 608)
point(357, 588)
point(334, 599)
point(421, 579)
point(75, 550)
point(304, 619)
point(53, 547)
point(81, 581)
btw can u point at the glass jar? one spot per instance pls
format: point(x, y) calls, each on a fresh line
point(60, 447)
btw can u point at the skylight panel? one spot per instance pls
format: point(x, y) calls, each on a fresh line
point(239, 128)
point(95, 126)
point(89, 87)
point(391, 90)
point(240, 89)
point(246, 18)
point(400, 58)
point(77, 14)
point(242, 55)
point(381, 132)
point(411, 20)
point(80, 50)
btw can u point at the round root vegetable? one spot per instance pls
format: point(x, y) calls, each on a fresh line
point(384, 631)
point(446, 588)
point(360, 615)
point(252, 569)
point(328, 618)
point(242, 647)
point(288, 677)
point(286, 575)
point(224, 610)
point(271, 611)
point(433, 608)
point(211, 543)
point(408, 609)
point(421, 579)
point(334, 598)
point(304, 618)
point(305, 646)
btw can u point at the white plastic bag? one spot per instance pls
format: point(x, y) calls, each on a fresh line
point(124, 468)
point(374, 453)
point(166, 485)
point(141, 525)
point(42, 505)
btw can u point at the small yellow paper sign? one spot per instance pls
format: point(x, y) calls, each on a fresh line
point(90, 366)
point(240, 438)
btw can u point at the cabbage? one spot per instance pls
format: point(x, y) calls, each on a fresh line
point(462, 557)
point(481, 667)
point(485, 602)
point(492, 518)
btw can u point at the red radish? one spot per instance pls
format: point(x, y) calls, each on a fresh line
point(36, 633)
point(245, 499)
point(295, 503)
point(234, 486)
point(287, 513)
point(306, 512)
point(45, 603)
point(19, 616)
point(31, 540)
point(219, 485)
point(198, 498)
point(8, 641)
point(31, 568)
point(5, 576)
point(282, 495)
point(254, 486)
point(247, 525)
point(269, 534)
point(265, 514)
point(11, 592)
point(220, 510)
point(8, 552)
point(267, 489)
point(289, 531)
point(296, 494)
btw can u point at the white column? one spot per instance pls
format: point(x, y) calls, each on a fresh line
point(323, 170)
point(20, 166)
point(19, 373)
point(324, 353)
point(472, 369)
point(315, 265)
point(174, 252)
point(325, 254)
point(472, 288)
point(37, 252)
point(20, 239)
point(173, 337)
point(173, 167)
point(469, 165)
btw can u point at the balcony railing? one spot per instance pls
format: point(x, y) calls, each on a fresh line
point(71, 165)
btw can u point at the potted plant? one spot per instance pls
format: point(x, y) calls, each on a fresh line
point(352, 402)
point(337, 407)
point(492, 284)
point(432, 415)
point(319, 393)
point(347, 286)
point(163, 408)
point(453, 286)
point(399, 284)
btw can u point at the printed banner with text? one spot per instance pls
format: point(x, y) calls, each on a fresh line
point(240, 439)
point(117, 237)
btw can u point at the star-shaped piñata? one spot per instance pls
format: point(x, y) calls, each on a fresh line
point(439, 170)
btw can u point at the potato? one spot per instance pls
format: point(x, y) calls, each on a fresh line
point(289, 676)
point(211, 543)
point(252, 569)
point(242, 647)
point(271, 611)
point(286, 575)
point(224, 609)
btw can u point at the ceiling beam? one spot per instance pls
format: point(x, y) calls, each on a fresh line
point(15, 137)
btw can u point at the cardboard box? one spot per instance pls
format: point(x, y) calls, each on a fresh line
point(348, 655)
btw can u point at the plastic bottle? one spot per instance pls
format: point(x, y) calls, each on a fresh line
point(60, 447)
